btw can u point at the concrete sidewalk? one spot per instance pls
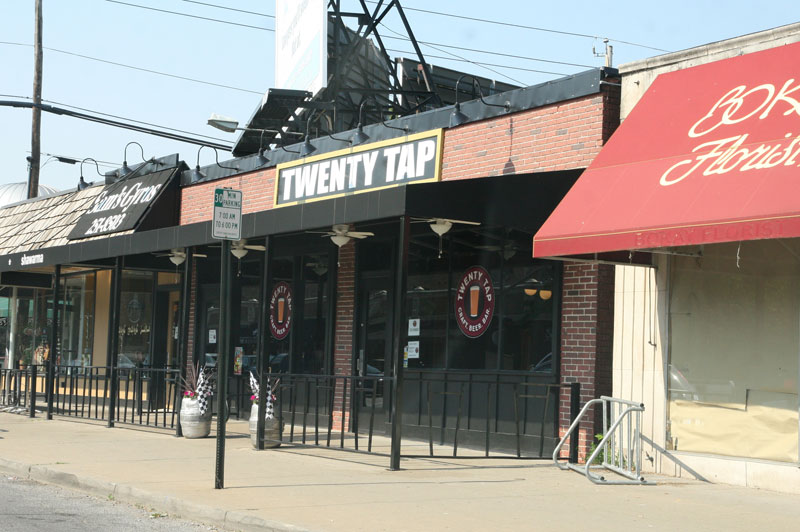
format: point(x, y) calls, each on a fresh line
point(300, 488)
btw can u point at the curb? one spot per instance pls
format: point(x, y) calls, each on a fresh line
point(229, 520)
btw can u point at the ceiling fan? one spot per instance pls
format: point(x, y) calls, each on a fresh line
point(240, 248)
point(442, 225)
point(340, 234)
point(178, 255)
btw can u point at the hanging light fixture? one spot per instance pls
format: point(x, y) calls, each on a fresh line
point(545, 294)
point(125, 170)
point(82, 184)
point(441, 226)
point(457, 117)
point(530, 291)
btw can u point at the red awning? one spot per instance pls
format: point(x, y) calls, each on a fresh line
point(709, 154)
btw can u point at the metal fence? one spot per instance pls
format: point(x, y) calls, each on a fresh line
point(498, 413)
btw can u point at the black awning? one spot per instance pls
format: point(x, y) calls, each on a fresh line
point(517, 201)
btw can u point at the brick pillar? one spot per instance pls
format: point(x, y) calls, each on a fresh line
point(192, 315)
point(343, 339)
point(587, 322)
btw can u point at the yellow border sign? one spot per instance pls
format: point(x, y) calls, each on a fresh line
point(396, 162)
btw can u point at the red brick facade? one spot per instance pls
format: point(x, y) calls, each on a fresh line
point(587, 321)
point(343, 336)
point(560, 136)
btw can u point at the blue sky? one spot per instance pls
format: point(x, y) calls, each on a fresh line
point(243, 57)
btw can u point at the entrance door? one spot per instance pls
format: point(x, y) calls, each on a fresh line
point(164, 343)
point(374, 353)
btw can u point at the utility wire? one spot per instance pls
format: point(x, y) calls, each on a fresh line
point(230, 8)
point(431, 44)
point(454, 55)
point(434, 44)
point(522, 26)
point(166, 74)
point(191, 16)
point(105, 118)
point(99, 162)
point(479, 63)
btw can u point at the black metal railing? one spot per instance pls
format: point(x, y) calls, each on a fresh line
point(498, 412)
point(327, 410)
point(145, 396)
point(22, 387)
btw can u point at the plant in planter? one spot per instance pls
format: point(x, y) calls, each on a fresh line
point(195, 417)
point(272, 432)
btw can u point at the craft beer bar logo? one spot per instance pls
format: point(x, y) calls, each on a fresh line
point(280, 310)
point(725, 130)
point(396, 162)
point(474, 302)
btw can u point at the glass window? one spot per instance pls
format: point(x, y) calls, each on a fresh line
point(734, 343)
point(136, 307)
point(279, 348)
point(311, 352)
point(520, 335)
point(77, 320)
point(32, 325)
point(5, 329)
point(428, 303)
point(528, 308)
point(467, 250)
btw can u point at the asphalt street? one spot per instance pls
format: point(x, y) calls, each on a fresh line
point(27, 506)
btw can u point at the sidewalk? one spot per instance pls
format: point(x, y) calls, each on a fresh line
point(301, 488)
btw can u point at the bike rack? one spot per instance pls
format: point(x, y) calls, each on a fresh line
point(620, 447)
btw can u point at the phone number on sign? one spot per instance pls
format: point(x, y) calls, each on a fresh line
point(105, 224)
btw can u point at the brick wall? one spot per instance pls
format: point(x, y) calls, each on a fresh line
point(343, 335)
point(257, 190)
point(587, 319)
point(560, 136)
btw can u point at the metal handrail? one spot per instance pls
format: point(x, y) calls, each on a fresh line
point(621, 444)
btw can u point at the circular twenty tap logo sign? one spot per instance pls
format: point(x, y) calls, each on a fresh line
point(280, 310)
point(474, 303)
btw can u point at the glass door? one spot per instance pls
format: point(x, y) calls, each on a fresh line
point(374, 353)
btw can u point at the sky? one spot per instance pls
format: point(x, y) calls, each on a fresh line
point(242, 58)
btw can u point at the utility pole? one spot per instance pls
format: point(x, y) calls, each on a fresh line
point(36, 123)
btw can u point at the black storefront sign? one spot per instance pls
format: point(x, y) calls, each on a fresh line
point(396, 162)
point(120, 206)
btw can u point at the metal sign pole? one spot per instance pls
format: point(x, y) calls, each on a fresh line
point(226, 226)
point(222, 361)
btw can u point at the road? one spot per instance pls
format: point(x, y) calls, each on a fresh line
point(27, 506)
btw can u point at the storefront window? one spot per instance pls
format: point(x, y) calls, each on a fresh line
point(136, 307)
point(517, 295)
point(528, 307)
point(279, 339)
point(32, 326)
point(428, 306)
point(77, 320)
point(5, 329)
point(734, 342)
point(311, 354)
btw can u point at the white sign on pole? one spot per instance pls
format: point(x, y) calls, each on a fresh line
point(227, 222)
point(301, 44)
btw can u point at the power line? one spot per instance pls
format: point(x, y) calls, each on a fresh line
point(230, 8)
point(522, 69)
point(428, 43)
point(166, 74)
point(522, 26)
point(434, 44)
point(190, 16)
point(165, 132)
point(452, 54)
